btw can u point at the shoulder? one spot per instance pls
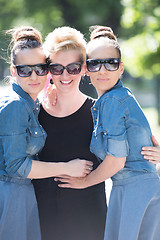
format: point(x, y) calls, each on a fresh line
point(117, 97)
point(13, 106)
point(120, 94)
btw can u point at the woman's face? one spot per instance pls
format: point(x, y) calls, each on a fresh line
point(66, 82)
point(103, 79)
point(34, 83)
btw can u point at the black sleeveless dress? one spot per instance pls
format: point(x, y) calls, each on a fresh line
point(69, 214)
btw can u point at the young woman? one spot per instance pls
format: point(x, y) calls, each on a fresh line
point(68, 213)
point(21, 137)
point(120, 132)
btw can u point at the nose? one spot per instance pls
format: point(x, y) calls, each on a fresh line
point(103, 69)
point(65, 74)
point(33, 75)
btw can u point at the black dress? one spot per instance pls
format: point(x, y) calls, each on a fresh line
point(69, 214)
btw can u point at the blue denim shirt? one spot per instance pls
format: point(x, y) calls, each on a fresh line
point(21, 135)
point(121, 130)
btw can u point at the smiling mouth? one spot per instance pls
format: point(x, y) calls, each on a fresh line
point(66, 82)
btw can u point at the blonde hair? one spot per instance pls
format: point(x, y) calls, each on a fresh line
point(22, 38)
point(105, 35)
point(65, 38)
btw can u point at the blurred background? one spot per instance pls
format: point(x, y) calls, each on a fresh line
point(135, 22)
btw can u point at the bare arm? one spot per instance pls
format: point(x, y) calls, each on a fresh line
point(110, 166)
point(74, 168)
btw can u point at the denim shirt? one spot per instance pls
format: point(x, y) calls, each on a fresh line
point(21, 135)
point(121, 130)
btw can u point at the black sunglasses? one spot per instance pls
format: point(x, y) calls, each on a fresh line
point(58, 69)
point(41, 69)
point(111, 64)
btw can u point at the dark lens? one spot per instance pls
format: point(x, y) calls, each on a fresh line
point(93, 65)
point(112, 64)
point(56, 69)
point(24, 71)
point(73, 68)
point(41, 69)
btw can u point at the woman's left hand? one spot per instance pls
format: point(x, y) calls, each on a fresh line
point(71, 182)
point(52, 94)
point(152, 153)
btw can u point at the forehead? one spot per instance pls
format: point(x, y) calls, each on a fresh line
point(65, 57)
point(30, 56)
point(101, 49)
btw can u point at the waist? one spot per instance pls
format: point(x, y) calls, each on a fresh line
point(15, 180)
point(135, 178)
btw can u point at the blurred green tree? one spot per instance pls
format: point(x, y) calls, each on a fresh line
point(141, 34)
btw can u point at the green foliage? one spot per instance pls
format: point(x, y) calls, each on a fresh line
point(141, 31)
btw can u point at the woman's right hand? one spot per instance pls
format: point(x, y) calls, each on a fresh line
point(79, 168)
point(152, 154)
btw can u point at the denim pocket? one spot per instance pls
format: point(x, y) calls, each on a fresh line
point(98, 141)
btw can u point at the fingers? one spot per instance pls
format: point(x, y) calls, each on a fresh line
point(62, 179)
point(89, 163)
point(153, 161)
point(49, 89)
point(64, 185)
point(151, 149)
point(62, 176)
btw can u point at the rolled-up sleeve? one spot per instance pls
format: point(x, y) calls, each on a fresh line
point(14, 124)
point(114, 114)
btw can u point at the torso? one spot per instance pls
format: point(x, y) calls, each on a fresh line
point(69, 138)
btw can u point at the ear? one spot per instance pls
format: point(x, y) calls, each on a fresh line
point(121, 67)
point(13, 71)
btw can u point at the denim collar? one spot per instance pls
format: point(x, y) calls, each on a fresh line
point(117, 85)
point(32, 104)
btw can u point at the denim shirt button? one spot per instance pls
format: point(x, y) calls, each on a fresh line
point(37, 108)
point(94, 109)
point(36, 133)
point(105, 133)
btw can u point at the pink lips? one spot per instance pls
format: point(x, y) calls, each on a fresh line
point(103, 79)
point(34, 84)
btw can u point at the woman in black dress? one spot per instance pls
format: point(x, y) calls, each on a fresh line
point(68, 214)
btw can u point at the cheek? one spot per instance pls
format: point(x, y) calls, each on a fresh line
point(92, 76)
point(44, 81)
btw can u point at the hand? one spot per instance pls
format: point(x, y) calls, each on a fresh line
point(52, 94)
point(71, 182)
point(152, 153)
point(79, 168)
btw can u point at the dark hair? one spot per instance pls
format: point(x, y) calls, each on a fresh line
point(23, 38)
point(98, 32)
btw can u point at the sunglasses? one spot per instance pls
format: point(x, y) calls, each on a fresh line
point(111, 64)
point(72, 68)
point(41, 69)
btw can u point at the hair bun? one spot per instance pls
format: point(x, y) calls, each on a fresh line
point(25, 33)
point(101, 31)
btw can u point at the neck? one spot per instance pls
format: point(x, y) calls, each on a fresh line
point(67, 104)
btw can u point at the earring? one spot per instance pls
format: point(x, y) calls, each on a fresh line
point(51, 81)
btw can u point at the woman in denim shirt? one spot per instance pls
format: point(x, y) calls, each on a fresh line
point(21, 137)
point(120, 131)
